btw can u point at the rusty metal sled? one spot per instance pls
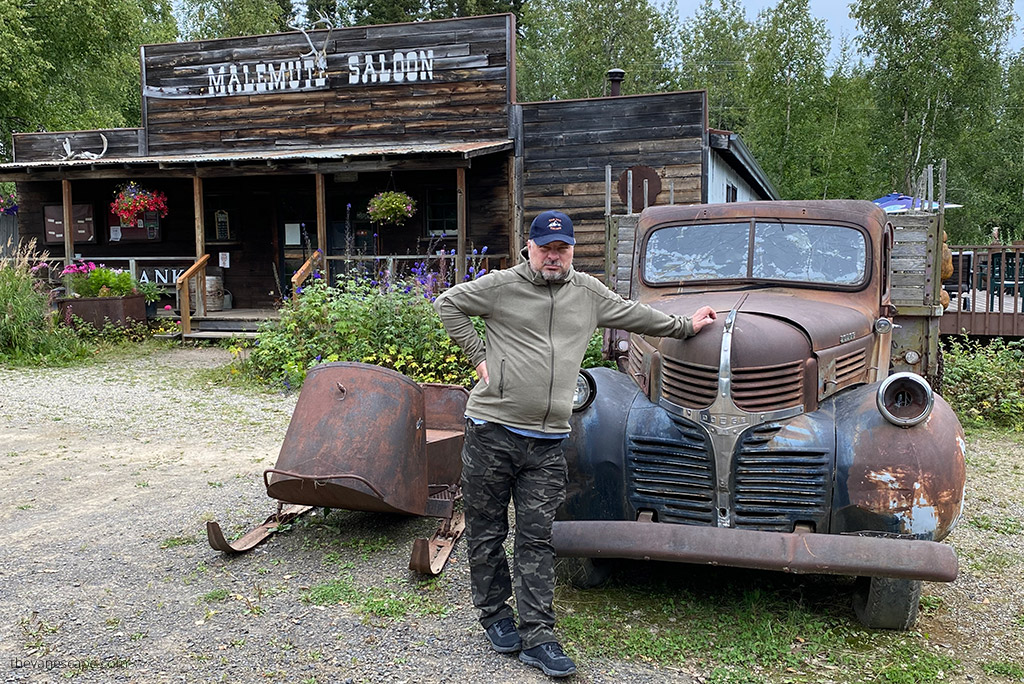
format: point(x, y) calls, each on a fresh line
point(366, 438)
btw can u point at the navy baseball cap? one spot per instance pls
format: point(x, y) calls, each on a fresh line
point(550, 226)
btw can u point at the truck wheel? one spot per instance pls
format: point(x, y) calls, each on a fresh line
point(886, 603)
point(583, 573)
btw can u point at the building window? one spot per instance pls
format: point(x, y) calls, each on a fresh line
point(730, 192)
point(442, 213)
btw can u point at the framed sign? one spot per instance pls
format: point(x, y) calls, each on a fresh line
point(81, 218)
point(222, 225)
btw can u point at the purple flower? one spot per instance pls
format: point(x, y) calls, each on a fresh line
point(318, 357)
point(317, 276)
point(298, 290)
point(484, 250)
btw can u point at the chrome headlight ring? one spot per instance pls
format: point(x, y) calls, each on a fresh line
point(585, 393)
point(905, 399)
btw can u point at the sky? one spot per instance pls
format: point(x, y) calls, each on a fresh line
point(836, 14)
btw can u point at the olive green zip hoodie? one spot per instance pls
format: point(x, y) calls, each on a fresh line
point(537, 334)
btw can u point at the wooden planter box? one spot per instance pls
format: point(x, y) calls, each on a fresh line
point(97, 310)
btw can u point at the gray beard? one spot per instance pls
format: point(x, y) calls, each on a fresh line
point(553, 277)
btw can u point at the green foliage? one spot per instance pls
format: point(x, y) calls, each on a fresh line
point(567, 48)
point(74, 65)
point(1004, 668)
point(984, 383)
point(205, 19)
point(103, 282)
point(29, 331)
point(714, 48)
point(359, 320)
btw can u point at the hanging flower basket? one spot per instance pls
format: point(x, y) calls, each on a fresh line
point(391, 207)
point(130, 201)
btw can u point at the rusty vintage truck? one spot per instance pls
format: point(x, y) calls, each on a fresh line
point(789, 435)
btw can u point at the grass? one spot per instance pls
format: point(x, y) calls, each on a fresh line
point(739, 626)
point(999, 525)
point(173, 542)
point(216, 595)
point(1002, 668)
point(377, 600)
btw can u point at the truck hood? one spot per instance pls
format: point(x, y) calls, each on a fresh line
point(825, 324)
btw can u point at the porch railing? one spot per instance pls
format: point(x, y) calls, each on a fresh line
point(306, 269)
point(986, 291)
point(197, 271)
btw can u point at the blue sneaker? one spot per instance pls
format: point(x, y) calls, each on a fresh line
point(550, 659)
point(504, 636)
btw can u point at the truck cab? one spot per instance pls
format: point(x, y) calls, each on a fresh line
point(782, 436)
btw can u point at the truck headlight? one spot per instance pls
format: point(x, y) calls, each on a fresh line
point(586, 391)
point(905, 399)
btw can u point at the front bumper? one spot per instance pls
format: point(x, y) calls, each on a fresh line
point(796, 552)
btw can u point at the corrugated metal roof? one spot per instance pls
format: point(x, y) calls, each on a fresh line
point(464, 149)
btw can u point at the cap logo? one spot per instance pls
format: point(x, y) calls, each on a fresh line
point(554, 223)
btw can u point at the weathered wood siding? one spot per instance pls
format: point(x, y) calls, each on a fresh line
point(8, 235)
point(464, 94)
point(568, 144)
point(917, 243)
point(121, 142)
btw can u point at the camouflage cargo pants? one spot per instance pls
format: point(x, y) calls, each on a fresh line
point(498, 465)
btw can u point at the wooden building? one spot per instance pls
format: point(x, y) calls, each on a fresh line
point(269, 148)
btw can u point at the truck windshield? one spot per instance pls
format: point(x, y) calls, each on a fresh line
point(800, 252)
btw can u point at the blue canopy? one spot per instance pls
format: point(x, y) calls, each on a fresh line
point(898, 203)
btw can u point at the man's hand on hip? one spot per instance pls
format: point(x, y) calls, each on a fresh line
point(481, 371)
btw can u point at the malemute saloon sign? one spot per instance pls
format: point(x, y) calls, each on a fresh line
point(302, 62)
point(364, 83)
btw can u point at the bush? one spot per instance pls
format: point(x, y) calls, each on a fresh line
point(391, 325)
point(984, 383)
point(29, 331)
point(90, 280)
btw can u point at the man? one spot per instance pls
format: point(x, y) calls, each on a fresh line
point(539, 317)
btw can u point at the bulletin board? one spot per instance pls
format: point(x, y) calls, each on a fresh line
point(145, 229)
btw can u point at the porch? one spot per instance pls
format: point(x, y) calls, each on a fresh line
point(986, 291)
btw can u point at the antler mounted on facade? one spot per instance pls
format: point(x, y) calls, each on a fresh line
point(70, 154)
point(320, 56)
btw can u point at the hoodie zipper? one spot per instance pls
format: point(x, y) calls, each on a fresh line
point(551, 363)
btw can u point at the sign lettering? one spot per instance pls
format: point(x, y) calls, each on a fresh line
point(411, 66)
point(265, 77)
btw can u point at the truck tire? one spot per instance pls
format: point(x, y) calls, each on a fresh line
point(886, 603)
point(583, 573)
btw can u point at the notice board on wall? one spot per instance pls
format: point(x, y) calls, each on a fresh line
point(146, 228)
point(81, 219)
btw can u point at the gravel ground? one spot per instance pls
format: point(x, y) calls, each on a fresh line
point(109, 474)
point(110, 471)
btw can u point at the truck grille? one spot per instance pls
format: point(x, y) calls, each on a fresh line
point(688, 384)
point(775, 488)
point(760, 388)
point(850, 367)
point(673, 475)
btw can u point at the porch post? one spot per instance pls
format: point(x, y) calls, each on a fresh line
point(69, 232)
point(460, 252)
point(321, 225)
point(197, 199)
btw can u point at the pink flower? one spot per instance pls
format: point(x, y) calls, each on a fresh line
point(168, 308)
